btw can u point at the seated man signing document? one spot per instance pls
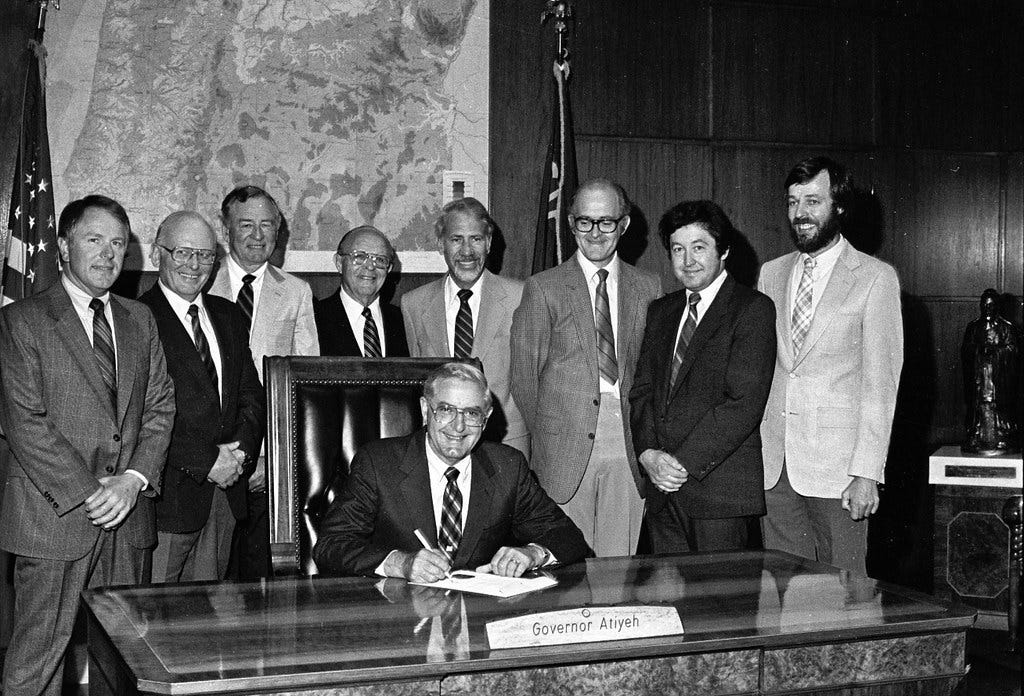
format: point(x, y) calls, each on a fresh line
point(473, 503)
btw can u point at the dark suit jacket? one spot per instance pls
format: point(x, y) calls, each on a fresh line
point(63, 433)
point(387, 496)
point(202, 421)
point(337, 337)
point(710, 421)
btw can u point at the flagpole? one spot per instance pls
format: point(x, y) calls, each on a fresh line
point(41, 20)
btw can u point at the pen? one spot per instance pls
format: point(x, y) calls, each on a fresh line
point(426, 544)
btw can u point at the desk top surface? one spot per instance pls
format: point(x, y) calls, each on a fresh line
point(306, 631)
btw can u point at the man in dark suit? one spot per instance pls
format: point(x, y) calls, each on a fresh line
point(575, 340)
point(220, 406)
point(353, 321)
point(698, 396)
point(476, 505)
point(87, 407)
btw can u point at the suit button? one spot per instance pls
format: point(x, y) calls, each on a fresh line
point(55, 506)
point(110, 469)
point(597, 402)
point(590, 435)
point(117, 438)
point(792, 375)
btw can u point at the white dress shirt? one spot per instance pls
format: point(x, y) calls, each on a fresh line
point(235, 274)
point(824, 263)
point(452, 303)
point(179, 306)
point(612, 285)
point(354, 312)
point(707, 296)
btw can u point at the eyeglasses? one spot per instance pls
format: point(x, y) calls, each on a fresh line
point(604, 225)
point(184, 254)
point(362, 258)
point(248, 226)
point(446, 413)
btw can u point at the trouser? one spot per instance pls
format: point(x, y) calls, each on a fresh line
point(199, 555)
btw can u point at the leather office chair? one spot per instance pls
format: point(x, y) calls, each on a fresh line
point(320, 410)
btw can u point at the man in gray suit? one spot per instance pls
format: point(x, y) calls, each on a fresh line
point(575, 341)
point(468, 313)
point(825, 433)
point(87, 407)
point(279, 308)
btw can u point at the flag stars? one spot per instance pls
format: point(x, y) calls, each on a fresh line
point(41, 246)
point(31, 222)
point(42, 185)
point(17, 213)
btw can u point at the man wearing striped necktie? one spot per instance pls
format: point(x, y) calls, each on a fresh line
point(575, 339)
point(701, 384)
point(354, 321)
point(839, 335)
point(87, 407)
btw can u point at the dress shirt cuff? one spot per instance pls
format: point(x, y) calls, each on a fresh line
point(549, 558)
point(379, 570)
point(136, 474)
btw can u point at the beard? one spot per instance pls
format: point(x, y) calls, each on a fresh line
point(820, 238)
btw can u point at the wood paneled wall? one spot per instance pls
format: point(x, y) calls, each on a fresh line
point(677, 100)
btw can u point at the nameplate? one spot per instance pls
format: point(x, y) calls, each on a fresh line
point(949, 466)
point(584, 625)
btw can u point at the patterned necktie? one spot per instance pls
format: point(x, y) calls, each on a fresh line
point(203, 347)
point(685, 334)
point(103, 349)
point(245, 297)
point(603, 323)
point(451, 515)
point(464, 326)
point(802, 306)
point(371, 339)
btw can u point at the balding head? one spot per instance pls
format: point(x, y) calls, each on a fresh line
point(184, 252)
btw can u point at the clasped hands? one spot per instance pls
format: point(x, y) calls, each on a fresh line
point(229, 465)
point(664, 470)
point(430, 565)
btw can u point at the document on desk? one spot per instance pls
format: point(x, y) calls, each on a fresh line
point(492, 585)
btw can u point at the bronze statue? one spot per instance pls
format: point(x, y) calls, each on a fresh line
point(991, 362)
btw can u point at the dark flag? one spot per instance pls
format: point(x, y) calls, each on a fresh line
point(554, 243)
point(30, 264)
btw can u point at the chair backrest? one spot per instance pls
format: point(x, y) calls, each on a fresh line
point(320, 410)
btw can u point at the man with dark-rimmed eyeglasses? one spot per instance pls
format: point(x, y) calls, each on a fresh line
point(353, 321)
point(218, 428)
point(419, 506)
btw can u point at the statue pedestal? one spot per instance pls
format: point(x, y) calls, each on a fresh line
point(972, 542)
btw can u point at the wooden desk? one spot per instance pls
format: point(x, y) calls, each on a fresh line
point(755, 623)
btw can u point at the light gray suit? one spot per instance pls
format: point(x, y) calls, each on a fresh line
point(64, 435)
point(427, 332)
point(555, 375)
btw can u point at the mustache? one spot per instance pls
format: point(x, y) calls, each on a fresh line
point(804, 221)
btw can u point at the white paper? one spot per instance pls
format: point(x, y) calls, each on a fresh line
point(490, 584)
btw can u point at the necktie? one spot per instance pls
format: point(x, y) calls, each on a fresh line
point(451, 627)
point(802, 306)
point(371, 339)
point(245, 297)
point(464, 326)
point(451, 515)
point(103, 349)
point(603, 323)
point(685, 334)
point(203, 347)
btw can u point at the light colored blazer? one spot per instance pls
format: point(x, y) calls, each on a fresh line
point(427, 333)
point(554, 368)
point(830, 409)
point(62, 431)
point(282, 322)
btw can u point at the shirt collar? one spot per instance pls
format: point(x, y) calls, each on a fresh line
point(708, 294)
point(824, 261)
point(236, 272)
point(451, 290)
point(590, 269)
point(178, 303)
point(352, 306)
point(438, 466)
point(79, 296)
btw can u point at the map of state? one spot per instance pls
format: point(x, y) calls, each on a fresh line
point(349, 112)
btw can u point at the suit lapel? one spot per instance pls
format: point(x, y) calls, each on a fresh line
point(71, 332)
point(481, 492)
point(492, 300)
point(577, 299)
point(413, 481)
point(840, 283)
point(226, 345)
point(179, 344)
point(784, 309)
point(630, 314)
point(436, 330)
point(271, 297)
point(129, 353)
point(709, 323)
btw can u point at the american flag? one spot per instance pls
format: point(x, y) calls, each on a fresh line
point(553, 243)
point(30, 264)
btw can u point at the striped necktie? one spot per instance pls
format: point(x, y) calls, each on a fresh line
point(685, 335)
point(451, 516)
point(371, 339)
point(103, 349)
point(464, 326)
point(606, 362)
point(203, 347)
point(245, 299)
point(802, 306)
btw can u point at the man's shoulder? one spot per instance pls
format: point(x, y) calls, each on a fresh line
point(288, 281)
point(136, 308)
point(419, 296)
point(870, 264)
point(780, 263)
point(36, 304)
point(513, 285)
